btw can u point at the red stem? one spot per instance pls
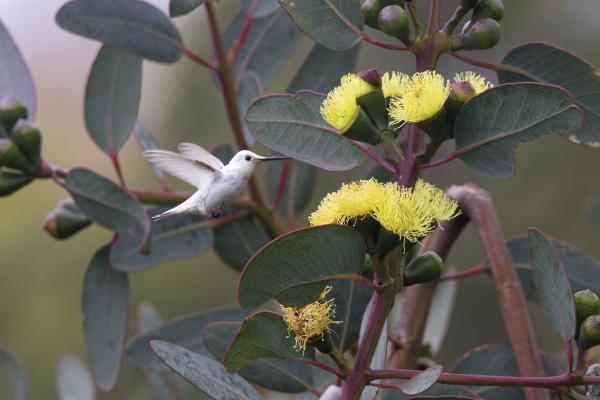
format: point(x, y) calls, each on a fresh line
point(409, 165)
point(375, 157)
point(491, 66)
point(381, 44)
point(237, 46)
point(117, 165)
point(465, 274)
point(324, 367)
point(197, 58)
point(446, 159)
point(283, 178)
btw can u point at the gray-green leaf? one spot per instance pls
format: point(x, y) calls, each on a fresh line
point(74, 381)
point(178, 8)
point(20, 390)
point(146, 141)
point(420, 383)
point(237, 241)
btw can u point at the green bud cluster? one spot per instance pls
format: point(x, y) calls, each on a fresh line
point(482, 31)
point(20, 147)
point(389, 17)
point(587, 310)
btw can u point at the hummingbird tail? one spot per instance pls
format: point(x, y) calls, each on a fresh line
point(160, 216)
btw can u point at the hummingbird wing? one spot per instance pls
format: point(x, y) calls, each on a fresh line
point(195, 152)
point(195, 173)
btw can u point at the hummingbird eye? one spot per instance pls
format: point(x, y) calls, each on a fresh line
point(248, 158)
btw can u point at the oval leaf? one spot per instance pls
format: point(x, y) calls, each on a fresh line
point(178, 8)
point(15, 78)
point(420, 383)
point(490, 126)
point(112, 98)
point(107, 204)
point(16, 375)
point(185, 331)
point(74, 380)
point(262, 335)
point(296, 267)
point(204, 373)
point(351, 300)
point(288, 376)
point(292, 125)
point(551, 284)
point(132, 25)
point(539, 62)
point(237, 241)
point(105, 303)
point(333, 23)
point(146, 141)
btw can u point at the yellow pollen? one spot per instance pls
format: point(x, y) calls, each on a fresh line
point(478, 82)
point(422, 97)
point(311, 321)
point(339, 108)
point(392, 83)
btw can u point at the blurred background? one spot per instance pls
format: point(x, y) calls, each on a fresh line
point(41, 278)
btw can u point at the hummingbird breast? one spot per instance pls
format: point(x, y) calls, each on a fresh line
point(222, 192)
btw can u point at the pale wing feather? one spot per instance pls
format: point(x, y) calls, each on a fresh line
point(195, 152)
point(190, 171)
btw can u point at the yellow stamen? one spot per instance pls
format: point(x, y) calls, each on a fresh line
point(392, 83)
point(478, 82)
point(339, 108)
point(423, 96)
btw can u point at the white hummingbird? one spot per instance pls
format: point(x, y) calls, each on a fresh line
point(218, 184)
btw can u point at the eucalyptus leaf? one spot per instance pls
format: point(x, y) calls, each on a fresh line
point(112, 98)
point(265, 7)
point(249, 88)
point(298, 189)
point(204, 373)
point(335, 24)
point(489, 127)
point(262, 335)
point(105, 303)
point(146, 141)
point(296, 267)
point(551, 284)
point(16, 374)
point(132, 25)
point(539, 62)
point(421, 382)
point(178, 8)
point(235, 242)
point(185, 331)
point(351, 300)
point(148, 318)
point(74, 380)
point(322, 69)
point(292, 125)
point(15, 78)
point(287, 376)
point(440, 314)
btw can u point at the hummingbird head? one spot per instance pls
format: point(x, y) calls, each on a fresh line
point(246, 160)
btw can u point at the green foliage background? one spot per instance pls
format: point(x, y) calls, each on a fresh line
point(40, 278)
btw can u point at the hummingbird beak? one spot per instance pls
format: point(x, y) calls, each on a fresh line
point(273, 158)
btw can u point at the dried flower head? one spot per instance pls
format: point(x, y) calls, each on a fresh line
point(409, 213)
point(422, 97)
point(339, 108)
point(311, 321)
point(392, 83)
point(478, 82)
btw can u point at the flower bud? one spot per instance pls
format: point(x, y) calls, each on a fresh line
point(12, 157)
point(10, 182)
point(482, 34)
point(393, 21)
point(370, 9)
point(425, 268)
point(11, 110)
point(65, 220)
point(587, 304)
point(589, 334)
point(488, 9)
point(29, 140)
point(373, 102)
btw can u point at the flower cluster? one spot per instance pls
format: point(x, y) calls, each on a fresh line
point(311, 321)
point(409, 213)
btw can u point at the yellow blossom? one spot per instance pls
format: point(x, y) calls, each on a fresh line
point(311, 321)
point(339, 108)
point(423, 96)
point(392, 83)
point(478, 82)
point(408, 213)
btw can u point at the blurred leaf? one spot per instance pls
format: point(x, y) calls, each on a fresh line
point(551, 284)
point(66, 220)
point(296, 267)
point(112, 98)
point(132, 25)
point(105, 304)
point(270, 41)
point(107, 204)
point(237, 241)
point(351, 300)
point(178, 8)
point(223, 152)
point(491, 125)
point(440, 315)
point(582, 270)
point(380, 174)
point(16, 375)
point(543, 63)
point(185, 331)
point(420, 383)
point(74, 380)
point(326, 21)
point(292, 125)
point(593, 208)
point(265, 7)
point(148, 317)
point(262, 335)
point(177, 237)
point(15, 78)
point(300, 183)
point(11, 181)
point(204, 373)
point(146, 141)
point(322, 69)
point(249, 89)
point(286, 376)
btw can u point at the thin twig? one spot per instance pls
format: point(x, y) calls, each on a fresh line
point(237, 46)
point(114, 158)
point(492, 66)
point(465, 274)
point(283, 179)
point(197, 58)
